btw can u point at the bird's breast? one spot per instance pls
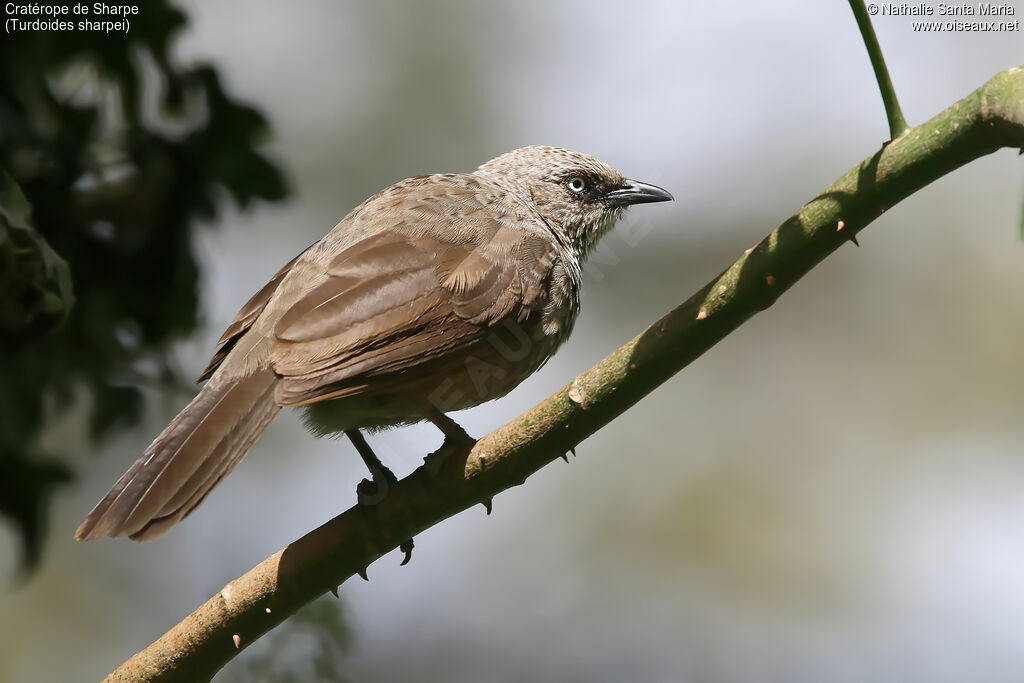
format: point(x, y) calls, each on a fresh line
point(488, 369)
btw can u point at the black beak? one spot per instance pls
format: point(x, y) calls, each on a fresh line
point(634, 192)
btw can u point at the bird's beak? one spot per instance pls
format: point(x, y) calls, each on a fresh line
point(634, 192)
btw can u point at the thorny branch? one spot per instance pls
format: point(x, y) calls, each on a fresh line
point(990, 118)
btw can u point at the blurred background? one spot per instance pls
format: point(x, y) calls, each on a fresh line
point(834, 493)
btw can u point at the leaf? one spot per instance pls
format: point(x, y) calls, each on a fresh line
point(36, 294)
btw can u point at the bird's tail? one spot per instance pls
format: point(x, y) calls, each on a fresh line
point(198, 449)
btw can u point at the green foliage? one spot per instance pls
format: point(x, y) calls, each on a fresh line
point(35, 281)
point(119, 153)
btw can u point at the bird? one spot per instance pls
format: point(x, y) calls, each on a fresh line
point(434, 295)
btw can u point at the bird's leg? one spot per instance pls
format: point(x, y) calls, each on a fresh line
point(453, 433)
point(455, 437)
point(371, 492)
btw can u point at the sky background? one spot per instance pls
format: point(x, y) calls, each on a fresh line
point(833, 493)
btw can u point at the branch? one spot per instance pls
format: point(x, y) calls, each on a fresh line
point(990, 118)
point(897, 124)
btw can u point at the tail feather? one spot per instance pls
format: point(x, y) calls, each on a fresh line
point(228, 454)
point(201, 445)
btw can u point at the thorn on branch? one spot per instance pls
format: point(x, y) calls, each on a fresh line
point(487, 503)
point(853, 238)
point(362, 573)
point(334, 592)
point(237, 640)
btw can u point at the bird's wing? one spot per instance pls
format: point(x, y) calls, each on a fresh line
point(413, 293)
point(245, 318)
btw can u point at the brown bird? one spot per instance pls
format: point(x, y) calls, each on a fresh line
point(435, 294)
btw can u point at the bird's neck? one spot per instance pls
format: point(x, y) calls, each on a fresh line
point(584, 240)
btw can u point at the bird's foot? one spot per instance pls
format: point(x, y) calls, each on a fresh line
point(433, 462)
point(456, 440)
point(406, 547)
point(371, 491)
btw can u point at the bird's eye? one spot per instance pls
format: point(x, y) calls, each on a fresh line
point(577, 184)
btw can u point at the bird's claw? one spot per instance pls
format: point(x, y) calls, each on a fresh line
point(406, 547)
point(372, 492)
point(452, 444)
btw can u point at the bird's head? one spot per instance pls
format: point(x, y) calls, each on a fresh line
point(575, 193)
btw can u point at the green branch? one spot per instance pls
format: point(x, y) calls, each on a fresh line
point(988, 119)
point(897, 124)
